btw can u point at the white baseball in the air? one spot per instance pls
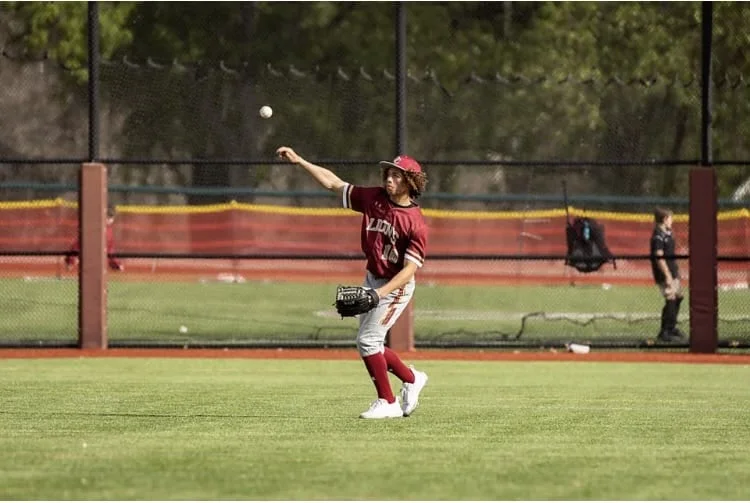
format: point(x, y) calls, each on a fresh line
point(183, 329)
point(266, 111)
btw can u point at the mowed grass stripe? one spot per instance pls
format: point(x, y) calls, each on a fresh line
point(192, 429)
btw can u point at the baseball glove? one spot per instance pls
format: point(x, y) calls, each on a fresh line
point(354, 300)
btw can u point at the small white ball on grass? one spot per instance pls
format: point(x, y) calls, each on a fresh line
point(183, 329)
point(266, 111)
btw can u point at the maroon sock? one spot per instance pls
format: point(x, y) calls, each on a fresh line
point(397, 367)
point(378, 370)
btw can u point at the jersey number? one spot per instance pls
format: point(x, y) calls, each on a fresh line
point(390, 254)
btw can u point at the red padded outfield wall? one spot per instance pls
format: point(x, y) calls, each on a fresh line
point(256, 229)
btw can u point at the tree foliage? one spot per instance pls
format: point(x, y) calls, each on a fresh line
point(488, 80)
point(58, 30)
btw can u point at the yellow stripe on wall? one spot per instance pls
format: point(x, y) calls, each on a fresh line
point(39, 203)
point(287, 210)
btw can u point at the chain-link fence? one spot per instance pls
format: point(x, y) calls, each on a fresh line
point(192, 173)
point(264, 274)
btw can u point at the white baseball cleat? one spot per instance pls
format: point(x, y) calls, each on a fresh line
point(381, 409)
point(410, 392)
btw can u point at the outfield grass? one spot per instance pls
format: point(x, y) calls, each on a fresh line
point(154, 311)
point(173, 429)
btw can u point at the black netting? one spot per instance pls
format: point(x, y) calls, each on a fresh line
point(615, 114)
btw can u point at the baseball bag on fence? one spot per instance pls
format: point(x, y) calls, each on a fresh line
point(587, 249)
point(354, 300)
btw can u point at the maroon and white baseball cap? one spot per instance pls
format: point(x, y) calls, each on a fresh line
point(404, 163)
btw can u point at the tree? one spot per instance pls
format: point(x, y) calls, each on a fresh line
point(58, 30)
point(487, 80)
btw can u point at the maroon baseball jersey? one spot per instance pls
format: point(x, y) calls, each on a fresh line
point(75, 250)
point(390, 233)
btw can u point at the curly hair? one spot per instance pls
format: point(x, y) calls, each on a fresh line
point(417, 181)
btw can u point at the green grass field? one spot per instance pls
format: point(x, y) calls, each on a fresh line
point(258, 311)
point(192, 429)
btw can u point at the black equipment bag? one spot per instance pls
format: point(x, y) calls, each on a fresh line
point(587, 249)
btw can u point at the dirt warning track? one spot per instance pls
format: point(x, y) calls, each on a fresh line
point(334, 354)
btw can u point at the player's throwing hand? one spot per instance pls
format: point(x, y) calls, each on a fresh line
point(288, 154)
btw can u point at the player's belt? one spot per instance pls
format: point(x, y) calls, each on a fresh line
point(377, 276)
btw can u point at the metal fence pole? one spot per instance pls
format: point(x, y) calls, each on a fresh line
point(400, 78)
point(703, 226)
point(93, 83)
point(401, 336)
point(92, 204)
point(706, 95)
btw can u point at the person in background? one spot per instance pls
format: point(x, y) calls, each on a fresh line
point(666, 274)
point(71, 258)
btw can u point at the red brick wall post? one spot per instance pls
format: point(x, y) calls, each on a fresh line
point(92, 273)
point(703, 235)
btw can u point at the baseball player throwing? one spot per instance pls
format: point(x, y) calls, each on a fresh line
point(394, 241)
